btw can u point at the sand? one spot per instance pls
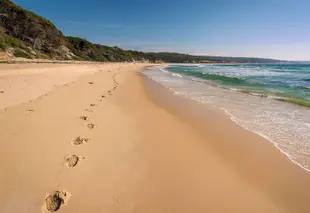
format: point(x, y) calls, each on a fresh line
point(132, 147)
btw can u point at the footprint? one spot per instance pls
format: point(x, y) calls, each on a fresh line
point(30, 110)
point(85, 118)
point(91, 82)
point(103, 96)
point(88, 110)
point(79, 140)
point(90, 126)
point(92, 105)
point(1, 91)
point(55, 200)
point(71, 160)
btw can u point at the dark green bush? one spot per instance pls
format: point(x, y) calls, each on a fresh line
point(21, 54)
point(13, 42)
point(2, 45)
point(25, 13)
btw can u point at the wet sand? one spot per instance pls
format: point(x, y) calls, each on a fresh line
point(138, 147)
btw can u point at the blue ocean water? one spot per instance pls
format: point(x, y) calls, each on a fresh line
point(286, 82)
point(272, 100)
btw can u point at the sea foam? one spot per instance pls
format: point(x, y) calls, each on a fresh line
point(285, 125)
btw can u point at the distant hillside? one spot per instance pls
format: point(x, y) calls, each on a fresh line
point(83, 49)
point(25, 34)
point(185, 58)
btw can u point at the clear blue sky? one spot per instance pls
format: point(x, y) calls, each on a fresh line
point(259, 28)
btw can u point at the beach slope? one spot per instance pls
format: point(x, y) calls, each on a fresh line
point(104, 139)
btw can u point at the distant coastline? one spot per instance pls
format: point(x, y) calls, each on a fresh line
point(30, 43)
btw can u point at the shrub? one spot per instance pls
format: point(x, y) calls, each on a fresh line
point(2, 45)
point(41, 56)
point(25, 13)
point(21, 54)
point(13, 42)
point(1, 32)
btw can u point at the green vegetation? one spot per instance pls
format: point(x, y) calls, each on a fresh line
point(9, 41)
point(21, 54)
point(28, 28)
point(41, 56)
point(1, 33)
point(13, 42)
point(27, 32)
point(86, 50)
point(30, 15)
point(2, 45)
point(185, 58)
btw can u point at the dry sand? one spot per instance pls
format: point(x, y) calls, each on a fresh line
point(138, 147)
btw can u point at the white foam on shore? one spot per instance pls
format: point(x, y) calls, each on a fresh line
point(273, 120)
point(234, 119)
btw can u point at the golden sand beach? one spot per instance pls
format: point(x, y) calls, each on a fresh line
point(104, 138)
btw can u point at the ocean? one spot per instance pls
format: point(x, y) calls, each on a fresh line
point(272, 100)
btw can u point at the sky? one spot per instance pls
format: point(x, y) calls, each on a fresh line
point(277, 29)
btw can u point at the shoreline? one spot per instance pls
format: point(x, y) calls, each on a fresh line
point(224, 113)
point(234, 118)
point(144, 152)
point(281, 164)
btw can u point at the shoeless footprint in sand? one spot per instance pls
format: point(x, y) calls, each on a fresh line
point(55, 200)
point(90, 126)
point(91, 110)
point(84, 118)
point(80, 140)
point(73, 160)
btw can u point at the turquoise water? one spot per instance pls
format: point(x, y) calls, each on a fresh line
point(272, 101)
point(287, 82)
